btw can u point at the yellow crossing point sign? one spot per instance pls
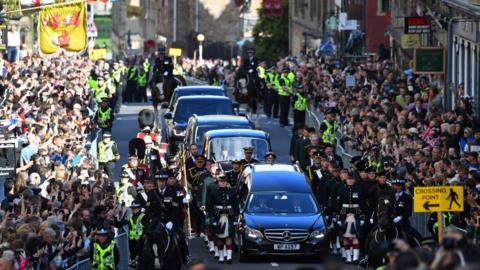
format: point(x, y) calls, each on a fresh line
point(96, 54)
point(438, 198)
point(175, 52)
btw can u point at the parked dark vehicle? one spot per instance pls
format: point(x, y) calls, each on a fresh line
point(280, 215)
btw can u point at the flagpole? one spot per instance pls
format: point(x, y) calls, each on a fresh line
point(46, 6)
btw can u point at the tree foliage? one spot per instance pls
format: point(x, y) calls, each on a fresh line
point(270, 34)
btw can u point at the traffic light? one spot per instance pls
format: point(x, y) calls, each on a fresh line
point(272, 7)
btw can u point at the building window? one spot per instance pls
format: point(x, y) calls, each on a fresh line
point(383, 6)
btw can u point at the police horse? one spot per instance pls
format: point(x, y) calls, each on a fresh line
point(162, 88)
point(250, 90)
point(383, 234)
point(165, 247)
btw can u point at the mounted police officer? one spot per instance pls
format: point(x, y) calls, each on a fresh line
point(248, 159)
point(104, 116)
point(351, 209)
point(136, 224)
point(328, 127)
point(175, 193)
point(108, 155)
point(222, 207)
point(403, 205)
point(157, 205)
point(163, 64)
point(104, 253)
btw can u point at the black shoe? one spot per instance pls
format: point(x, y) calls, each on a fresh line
point(221, 262)
point(229, 261)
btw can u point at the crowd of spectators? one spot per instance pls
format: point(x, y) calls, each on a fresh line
point(51, 210)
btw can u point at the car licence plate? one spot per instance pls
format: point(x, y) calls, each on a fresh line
point(286, 246)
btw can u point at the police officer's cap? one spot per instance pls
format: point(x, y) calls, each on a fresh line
point(318, 155)
point(236, 161)
point(270, 154)
point(199, 157)
point(103, 231)
point(124, 174)
point(298, 85)
point(330, 111)
point(105, 99)
point(369, 169)
point(161, 176)
point(398, 182)
point(107, 134)
point(248, 149)
point(211, 160)
point(251, 50)
point(136, 204)
point(171, 173)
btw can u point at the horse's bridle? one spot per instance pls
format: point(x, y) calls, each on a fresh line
point(380, 229)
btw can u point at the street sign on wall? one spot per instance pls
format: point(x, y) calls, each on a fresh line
point(417, 25)
point(438, 199)
point(429, 60)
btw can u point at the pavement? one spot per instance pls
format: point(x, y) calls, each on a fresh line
point(126, 127)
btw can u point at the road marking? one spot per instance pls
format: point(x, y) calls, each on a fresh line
point(274, 264)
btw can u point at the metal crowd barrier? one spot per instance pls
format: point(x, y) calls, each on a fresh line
point(122, 244)
point(418, 221)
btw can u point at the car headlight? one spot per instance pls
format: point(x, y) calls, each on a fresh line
point(179, 132)
point(253, 234)
point(317, 235)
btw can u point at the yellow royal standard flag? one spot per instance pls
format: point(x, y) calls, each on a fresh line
point(62, 29)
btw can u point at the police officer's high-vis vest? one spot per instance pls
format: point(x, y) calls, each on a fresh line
point(286, 83)
point(376, 165)
point(142, 80)
point(105, 151)
point(261, 72)
point(104, 117)
point(300, 103)
point(101, 92)
point(291, 77)
point(136, 227)
point(117, 75)
point(330, 133)
point(123, 197)
point(132, 73)
point(146, 66)
point(103, 258)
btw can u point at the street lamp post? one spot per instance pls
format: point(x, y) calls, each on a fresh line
point(200, 39)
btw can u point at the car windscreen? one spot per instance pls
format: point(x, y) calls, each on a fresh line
point(281, 203)
point(230, 148)
point(187, 107)
point(184, 93)
point(201, 130)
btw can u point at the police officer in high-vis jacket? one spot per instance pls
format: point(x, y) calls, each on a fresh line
point(299, 104)
point(136, 225)
point(104, 253)
point(329, 127)
point(107, 155)
point(104, 116)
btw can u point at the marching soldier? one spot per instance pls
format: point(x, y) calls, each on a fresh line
point(193, 176)
point(136, 172)
point(350, 208)
point(175, 193)
point(328, 150)
point(107, 155)
point(104, 116)
point(328, 127)
point(234, 173)
point(152, 156)
point(136, 225)
point(222, 207)
point(248, 159)
point(104, 253)
point(204, 186)
point(317, 181)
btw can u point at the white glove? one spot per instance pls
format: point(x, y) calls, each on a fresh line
point(334, 220)
point(214, 224)
point(235, 223)
point(339, 223)
point(362, 222)
point(371, 221)
point(397, 219)
point(165, 73)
